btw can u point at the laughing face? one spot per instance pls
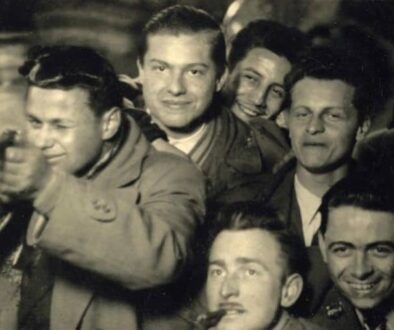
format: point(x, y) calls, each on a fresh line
point(323, 124)
point(358, 247)
point(257, 83)
point(245, 280)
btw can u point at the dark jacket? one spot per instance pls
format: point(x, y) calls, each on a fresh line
point(232, 153)
point(337, 313)
point(282, 197)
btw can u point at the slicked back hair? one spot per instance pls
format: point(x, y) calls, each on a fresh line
point(329, 63)
point(253, 215)
point(67, 67)
point(358, 190)
point(181, 19)
point(282, 40)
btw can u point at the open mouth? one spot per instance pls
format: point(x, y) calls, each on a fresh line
point(232, 310)
point(363, 288)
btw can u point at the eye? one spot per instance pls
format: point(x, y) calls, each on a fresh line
point(251, 272)
point(215, 272)
point(341, 250)
point(34, 123)
point(300, 113)
point(249, 78)
point(382, 251)
point(277, 92)
point(159, 68)
point(333, 116)
point(60, 127)
point(196, 72)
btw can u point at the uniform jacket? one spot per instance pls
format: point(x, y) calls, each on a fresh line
point(232, 153)
point(337, 313)
point(127, 228)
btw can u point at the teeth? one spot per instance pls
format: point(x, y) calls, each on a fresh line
point(362, 286)
point(233, 312)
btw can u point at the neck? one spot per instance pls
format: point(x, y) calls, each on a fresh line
point(320, 183)
point(281, 321)
point(178, 133)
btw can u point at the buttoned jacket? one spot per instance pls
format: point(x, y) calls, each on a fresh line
point(126, 229)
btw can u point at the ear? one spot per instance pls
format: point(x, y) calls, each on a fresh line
point(363, 129)
point(291, 290)
point(322, 246)
point(110, 120)
point(220, 81)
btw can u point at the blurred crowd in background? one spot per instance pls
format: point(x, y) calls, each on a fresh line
point(114, 28)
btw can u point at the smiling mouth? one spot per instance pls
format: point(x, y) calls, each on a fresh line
point(252, 112)
point(363, 287)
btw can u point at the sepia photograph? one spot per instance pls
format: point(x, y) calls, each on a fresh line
point(196, 165)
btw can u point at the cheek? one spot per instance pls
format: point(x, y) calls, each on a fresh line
point(337, 266)
point(212, 291)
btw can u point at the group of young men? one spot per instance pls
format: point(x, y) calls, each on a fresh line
point(100, 209)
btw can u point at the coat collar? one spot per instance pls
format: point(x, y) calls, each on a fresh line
point(126, 165)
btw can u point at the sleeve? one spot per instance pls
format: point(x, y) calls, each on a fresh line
point(138, 236)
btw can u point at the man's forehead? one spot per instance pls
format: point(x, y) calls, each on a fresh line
point(359, 224)
point(204, 37)
point(328, 92)
point(41, 99)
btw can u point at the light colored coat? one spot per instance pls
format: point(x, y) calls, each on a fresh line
point(128, 228)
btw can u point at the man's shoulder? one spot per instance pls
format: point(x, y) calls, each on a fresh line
point(282, 185)
point(162, 163)
point(336, 312)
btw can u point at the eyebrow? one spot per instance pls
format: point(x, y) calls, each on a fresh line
point(217, 263)
point(389, 243)
point(252, 70)
point(340, 243)
point(245, 260)
point(52, 121)
point(154, 60)
point(368, 246)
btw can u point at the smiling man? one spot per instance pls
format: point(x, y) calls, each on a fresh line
point(182, 68)
point(357, 242)
point(328, 111)
point(255, 270)
point(260, 57)
point(109, 214)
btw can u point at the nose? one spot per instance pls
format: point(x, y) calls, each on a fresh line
point(361, 267)
point(260, 96)
point(177, 84)
point(230, 287)
point(315, 125)
point(42, 138)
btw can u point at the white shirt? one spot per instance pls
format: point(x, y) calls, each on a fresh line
point(309, 206)
point(187, 143)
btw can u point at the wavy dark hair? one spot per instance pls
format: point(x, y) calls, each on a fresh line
point(67, 67)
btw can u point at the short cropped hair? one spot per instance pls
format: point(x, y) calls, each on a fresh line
point(254, 215)
point(67, 67)
point(180, 19)
point(358, 190)
point(329, 63)
point(282, 40)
